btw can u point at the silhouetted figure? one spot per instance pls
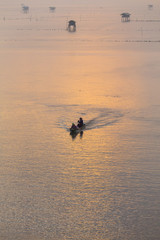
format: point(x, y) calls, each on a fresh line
point(80, 123)
point(125, 17)
point(73, 127)
point(71, 26)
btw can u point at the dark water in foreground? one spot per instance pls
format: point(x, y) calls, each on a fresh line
point(104, 184)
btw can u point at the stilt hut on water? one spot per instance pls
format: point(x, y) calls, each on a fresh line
point(71, 26)
point(125, 17)
point(52, 9)
point(150, 6)
point(25, 9)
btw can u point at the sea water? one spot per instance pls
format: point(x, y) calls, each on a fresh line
point(102, 184)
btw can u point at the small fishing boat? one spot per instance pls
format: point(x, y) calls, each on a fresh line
point(75, 129)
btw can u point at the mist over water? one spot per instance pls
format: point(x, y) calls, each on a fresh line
point(99, 184)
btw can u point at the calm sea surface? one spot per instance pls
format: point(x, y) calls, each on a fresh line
point(105, 183)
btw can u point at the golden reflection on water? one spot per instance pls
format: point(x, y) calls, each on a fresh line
point(102, 80)
point(90, 79)
point(86, 188)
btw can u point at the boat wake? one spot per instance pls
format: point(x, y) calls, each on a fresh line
point(94, 118)
point(103, 119)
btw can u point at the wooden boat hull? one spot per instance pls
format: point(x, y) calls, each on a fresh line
point(78, 130)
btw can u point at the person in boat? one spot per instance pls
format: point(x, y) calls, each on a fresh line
point(73, 127)
point(80, 123)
